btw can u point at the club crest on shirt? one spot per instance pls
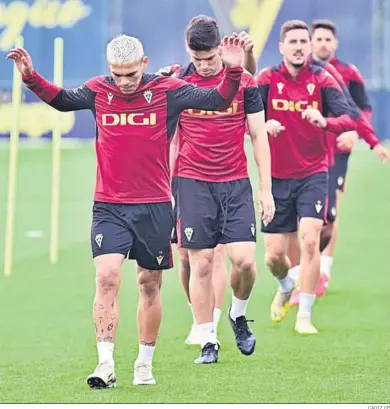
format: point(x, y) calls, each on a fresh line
point(280, 86)
point(110, 96)
point(311, 87)
point(148, 96)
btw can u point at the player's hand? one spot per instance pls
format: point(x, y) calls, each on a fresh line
point(248, 42)
point(22, 60)
point(232, 52)
point(315, 117)
point(266, 206)
point(346, 141)
point(382, 153)
point(274, 127)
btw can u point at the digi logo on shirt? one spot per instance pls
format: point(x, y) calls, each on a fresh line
point(134, 119)
point(293, 106)
point(231, 110)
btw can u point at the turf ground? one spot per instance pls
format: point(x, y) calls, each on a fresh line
point(47, 333)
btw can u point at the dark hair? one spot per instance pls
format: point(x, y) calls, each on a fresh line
point(292, 25)
point(326, 24)
point(202, 34)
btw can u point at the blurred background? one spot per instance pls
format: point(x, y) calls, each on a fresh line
point(87, 25)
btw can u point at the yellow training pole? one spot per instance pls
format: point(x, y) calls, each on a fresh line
point(13, 165)
point(56, 156)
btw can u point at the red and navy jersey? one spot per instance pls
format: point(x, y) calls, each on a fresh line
point(134, 131)
point(355, 83)
point(302, 149)
point(364, 127)
point(211, 142)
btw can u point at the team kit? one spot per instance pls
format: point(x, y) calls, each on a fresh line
point(172, 175)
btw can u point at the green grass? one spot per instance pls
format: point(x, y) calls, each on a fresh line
point(47, 333)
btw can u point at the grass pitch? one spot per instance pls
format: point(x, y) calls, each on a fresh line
point(48, 346)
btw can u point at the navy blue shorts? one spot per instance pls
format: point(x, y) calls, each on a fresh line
point(174, 194)
point(212, 213)
point(138, 231)
point(337, 175)
point(298, 198)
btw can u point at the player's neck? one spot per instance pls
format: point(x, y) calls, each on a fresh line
point(293, 71)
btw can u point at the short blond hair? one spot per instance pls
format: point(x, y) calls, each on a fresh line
point(124, 50)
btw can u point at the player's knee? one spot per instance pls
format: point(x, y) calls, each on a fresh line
point(108, 279)
point(273, 257)
point(310, 243)
point(245, 264)
point(149, 283)
point(202, 268)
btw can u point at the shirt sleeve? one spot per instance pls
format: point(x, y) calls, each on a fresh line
point(185, 96)
point(335, 103)
point(252, 98)
point(263, 82)
point(61, 99)
point(358, 89)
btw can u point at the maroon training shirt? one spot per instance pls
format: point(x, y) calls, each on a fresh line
point(211, 143)
point(302, 149)
point(134, 131)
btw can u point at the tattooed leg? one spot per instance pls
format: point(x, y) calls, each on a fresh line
point(105, 310)
point(106, 333)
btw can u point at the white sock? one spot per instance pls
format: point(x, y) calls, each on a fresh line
point(306, 302)
point(145, 353)
point(326, 264)
point(216, 316)
point(192, 312)
point(106, 352)
point(207, 333)
point(238, 308)
point(286, 284)
point(294, 272)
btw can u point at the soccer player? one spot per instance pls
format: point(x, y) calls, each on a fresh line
point(136, 115)
point(344, 141)
point(324, 46)
point(219, 275)
point(299, 99)
point(214, 195)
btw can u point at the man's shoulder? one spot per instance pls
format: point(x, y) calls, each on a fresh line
point(161, 82)
point(267, 74)
point(341, 63)
point(177, 70)
point(248, 80)
point(321, 75)
point(95, 83)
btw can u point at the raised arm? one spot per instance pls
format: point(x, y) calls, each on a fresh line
point(186, 96)
point(59, 98)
